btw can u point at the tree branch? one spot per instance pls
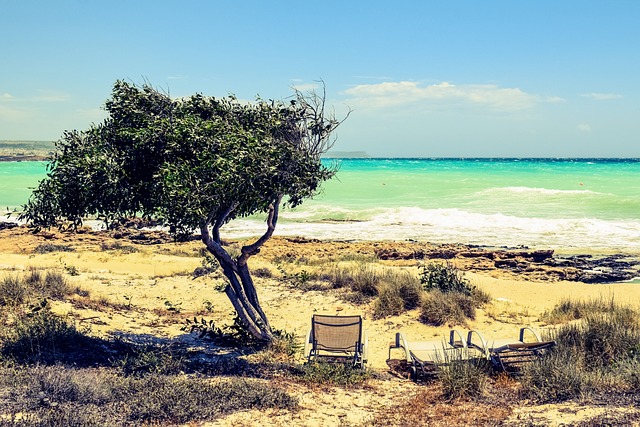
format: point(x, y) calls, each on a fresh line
point(220, 219)
point(214, 246)
point(272, 220)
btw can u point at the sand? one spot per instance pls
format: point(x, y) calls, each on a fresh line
point(148, 291)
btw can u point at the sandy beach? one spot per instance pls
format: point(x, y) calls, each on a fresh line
point(145, 291)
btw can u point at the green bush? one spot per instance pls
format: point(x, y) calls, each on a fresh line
point(141, 360)
point(41, 336)
point(339, 374)
point(444, 278)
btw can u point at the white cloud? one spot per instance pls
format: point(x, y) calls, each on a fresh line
point(601, 96)
point(390, 94)
point(6, 96)
point(13, 114)
point(305, 87)
point(584, 127)
point(52, 96)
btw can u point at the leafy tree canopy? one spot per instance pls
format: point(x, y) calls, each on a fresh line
point(184, 161)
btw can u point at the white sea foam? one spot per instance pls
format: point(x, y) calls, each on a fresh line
point(460, 226)
point(535, 191)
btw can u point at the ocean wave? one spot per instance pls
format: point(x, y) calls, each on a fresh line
point(536, 190)
point(460, 226)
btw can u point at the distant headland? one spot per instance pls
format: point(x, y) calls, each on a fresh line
point(16, 151)
point(347, 155)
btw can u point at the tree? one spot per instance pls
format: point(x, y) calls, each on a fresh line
point(191, 164)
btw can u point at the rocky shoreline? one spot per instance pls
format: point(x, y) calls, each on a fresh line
point(521, 263)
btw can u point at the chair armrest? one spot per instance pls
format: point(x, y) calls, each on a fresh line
point(459, 342)
point(526, 328)
point(481, 345)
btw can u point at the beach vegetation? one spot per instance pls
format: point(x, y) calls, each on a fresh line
point(57, 396)
point(450, 308)
point(45, 248)
point(336, 374)
point(17, 289)
point(118, 246)
point(444, 278)
point(451, 298)
point(461, 377)
point(597, 354)
point(193, 163)
point(400, 292)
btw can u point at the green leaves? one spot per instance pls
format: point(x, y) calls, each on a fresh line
point(185, 161)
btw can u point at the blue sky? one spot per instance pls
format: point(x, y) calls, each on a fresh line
point(423, 78)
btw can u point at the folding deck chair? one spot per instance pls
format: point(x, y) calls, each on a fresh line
point(337, 338)
point(425, 356)
point(509, 355)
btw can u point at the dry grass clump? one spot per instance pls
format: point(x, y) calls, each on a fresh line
point(427, 408)
point(463, 378)
point(18, 289)
point(118, 246)
point(401, 291)
point(598, 354)
point(454, 308)
point(568, 309)
point(39, 336)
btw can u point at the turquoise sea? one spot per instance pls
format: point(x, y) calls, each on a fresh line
point(566, 204)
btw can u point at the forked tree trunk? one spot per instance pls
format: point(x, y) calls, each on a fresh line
point(242, 294)
point(241, 289)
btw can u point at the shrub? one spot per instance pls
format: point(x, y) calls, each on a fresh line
point(440, 308)
point(445, 278)
point(339, 374)
point(140, 360)
point(43, 337)
point(118, 246)
point(13, 291)
point(55, 285)
point(366, 280)
point(600, 350)
point(568, 309)
point(461, 377)
point(558, 377)
point(603, 338)
point(46, 248)
point(411, 292)
point(388, 303)
point(84, 397)
point(362, 278)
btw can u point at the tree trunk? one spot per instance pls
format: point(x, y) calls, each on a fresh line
point(241, 290)
point(242, 294)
